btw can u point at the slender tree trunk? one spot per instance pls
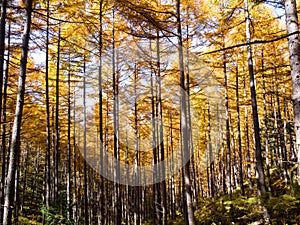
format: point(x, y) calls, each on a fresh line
point(285, 132)
point(261, 189)
point(234, 163)
point(127, 205)
point(107, 212)
point(211, 161)
point(248, 158)
point(280, 135)
point(3, 135)
point(17, 196)
point(294, 51)
point(172, 186)
point(184, 126)
point(69, 148)
point(189, 116)
point(86, 200)
point(2, 48)
point(48, 129)
point(101, 113)
point(75, 204)
point(156, 205)
point(24, 179)
point(266, 124)
point(15, 142)
point(258, 155)
point(161, 136)
point(137, 177)
point(240, 153)
point(57, 126)
point(274, 160)
point(228, 154)
point(116, 202)
point(2, 51)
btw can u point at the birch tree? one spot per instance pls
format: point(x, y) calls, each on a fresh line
point(292, 25)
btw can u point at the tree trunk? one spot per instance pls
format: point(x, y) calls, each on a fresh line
point(294, 51)
point(101, 113)
point(258, 155)
point(116, 202)
point(75, 203)
point(57, 127)
point(137, 210)
point(15, 142)
point(240, 153)
point(2, 48)
point(86, 202)
point(172, 186)
point(210, 157)
point(48, 129)
point(248, 158)
point(266, 124)
point(184, 126)
point(161, 137)
point(69, 163)
point(261, 189)
point(3, 135)
point(156, 197)
point(228, 154)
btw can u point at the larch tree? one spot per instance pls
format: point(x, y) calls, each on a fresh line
point(2, 51)
point(189, 217)
point(15, 141)
point(258, 154)
point(2, 47)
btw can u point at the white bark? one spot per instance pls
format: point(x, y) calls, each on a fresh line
point(294, 51)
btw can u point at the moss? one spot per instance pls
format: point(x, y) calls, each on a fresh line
point(283, 209)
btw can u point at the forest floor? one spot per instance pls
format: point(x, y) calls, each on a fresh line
point(282, 204)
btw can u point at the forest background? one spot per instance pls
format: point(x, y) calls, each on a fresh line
point(149, 112)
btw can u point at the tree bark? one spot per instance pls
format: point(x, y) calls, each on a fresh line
point(2, 48)
point(86, 200)
point(15, 142)
point(57, 127)
point(266, 124)
point(161, 136)
point(3, 135)
point(75, 203)
point(116, 202)
point(184, 125)
point(210, 157)
point(240, 153)
point(156, 197)
point(69, 163)
point(258, 155)
point(228, 153)
point(48, 129)
point(101, 112)
point(137, 212)
point(294, 52)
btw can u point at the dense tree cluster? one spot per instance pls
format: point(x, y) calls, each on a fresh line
point(149, 112)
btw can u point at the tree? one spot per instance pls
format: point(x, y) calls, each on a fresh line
point(48, 129)
point(2, 47)
point(258, 155)
point(189, 217)
point(2, 50)
point(4, 127)
point(294, 52)
point(15, 141)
